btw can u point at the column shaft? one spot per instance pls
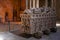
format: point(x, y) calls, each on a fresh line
point(46, 3)
point(37, 3)
point(26, 4)
point(33, 3)
point(52, 3)
point(30, 4)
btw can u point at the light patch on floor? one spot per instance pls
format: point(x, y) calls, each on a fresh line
point(57, 24)
point(1, 38)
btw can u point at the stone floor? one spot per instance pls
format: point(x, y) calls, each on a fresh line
point(12, 36)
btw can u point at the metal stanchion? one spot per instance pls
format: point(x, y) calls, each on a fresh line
point(9, 26)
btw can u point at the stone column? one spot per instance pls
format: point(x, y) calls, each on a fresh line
point(46, 3)
point(52, 3)
point(30, 4)
point(37, 3)
point(26, 4)
point(33, 3)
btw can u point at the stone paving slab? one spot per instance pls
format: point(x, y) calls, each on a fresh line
point(11, 36)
